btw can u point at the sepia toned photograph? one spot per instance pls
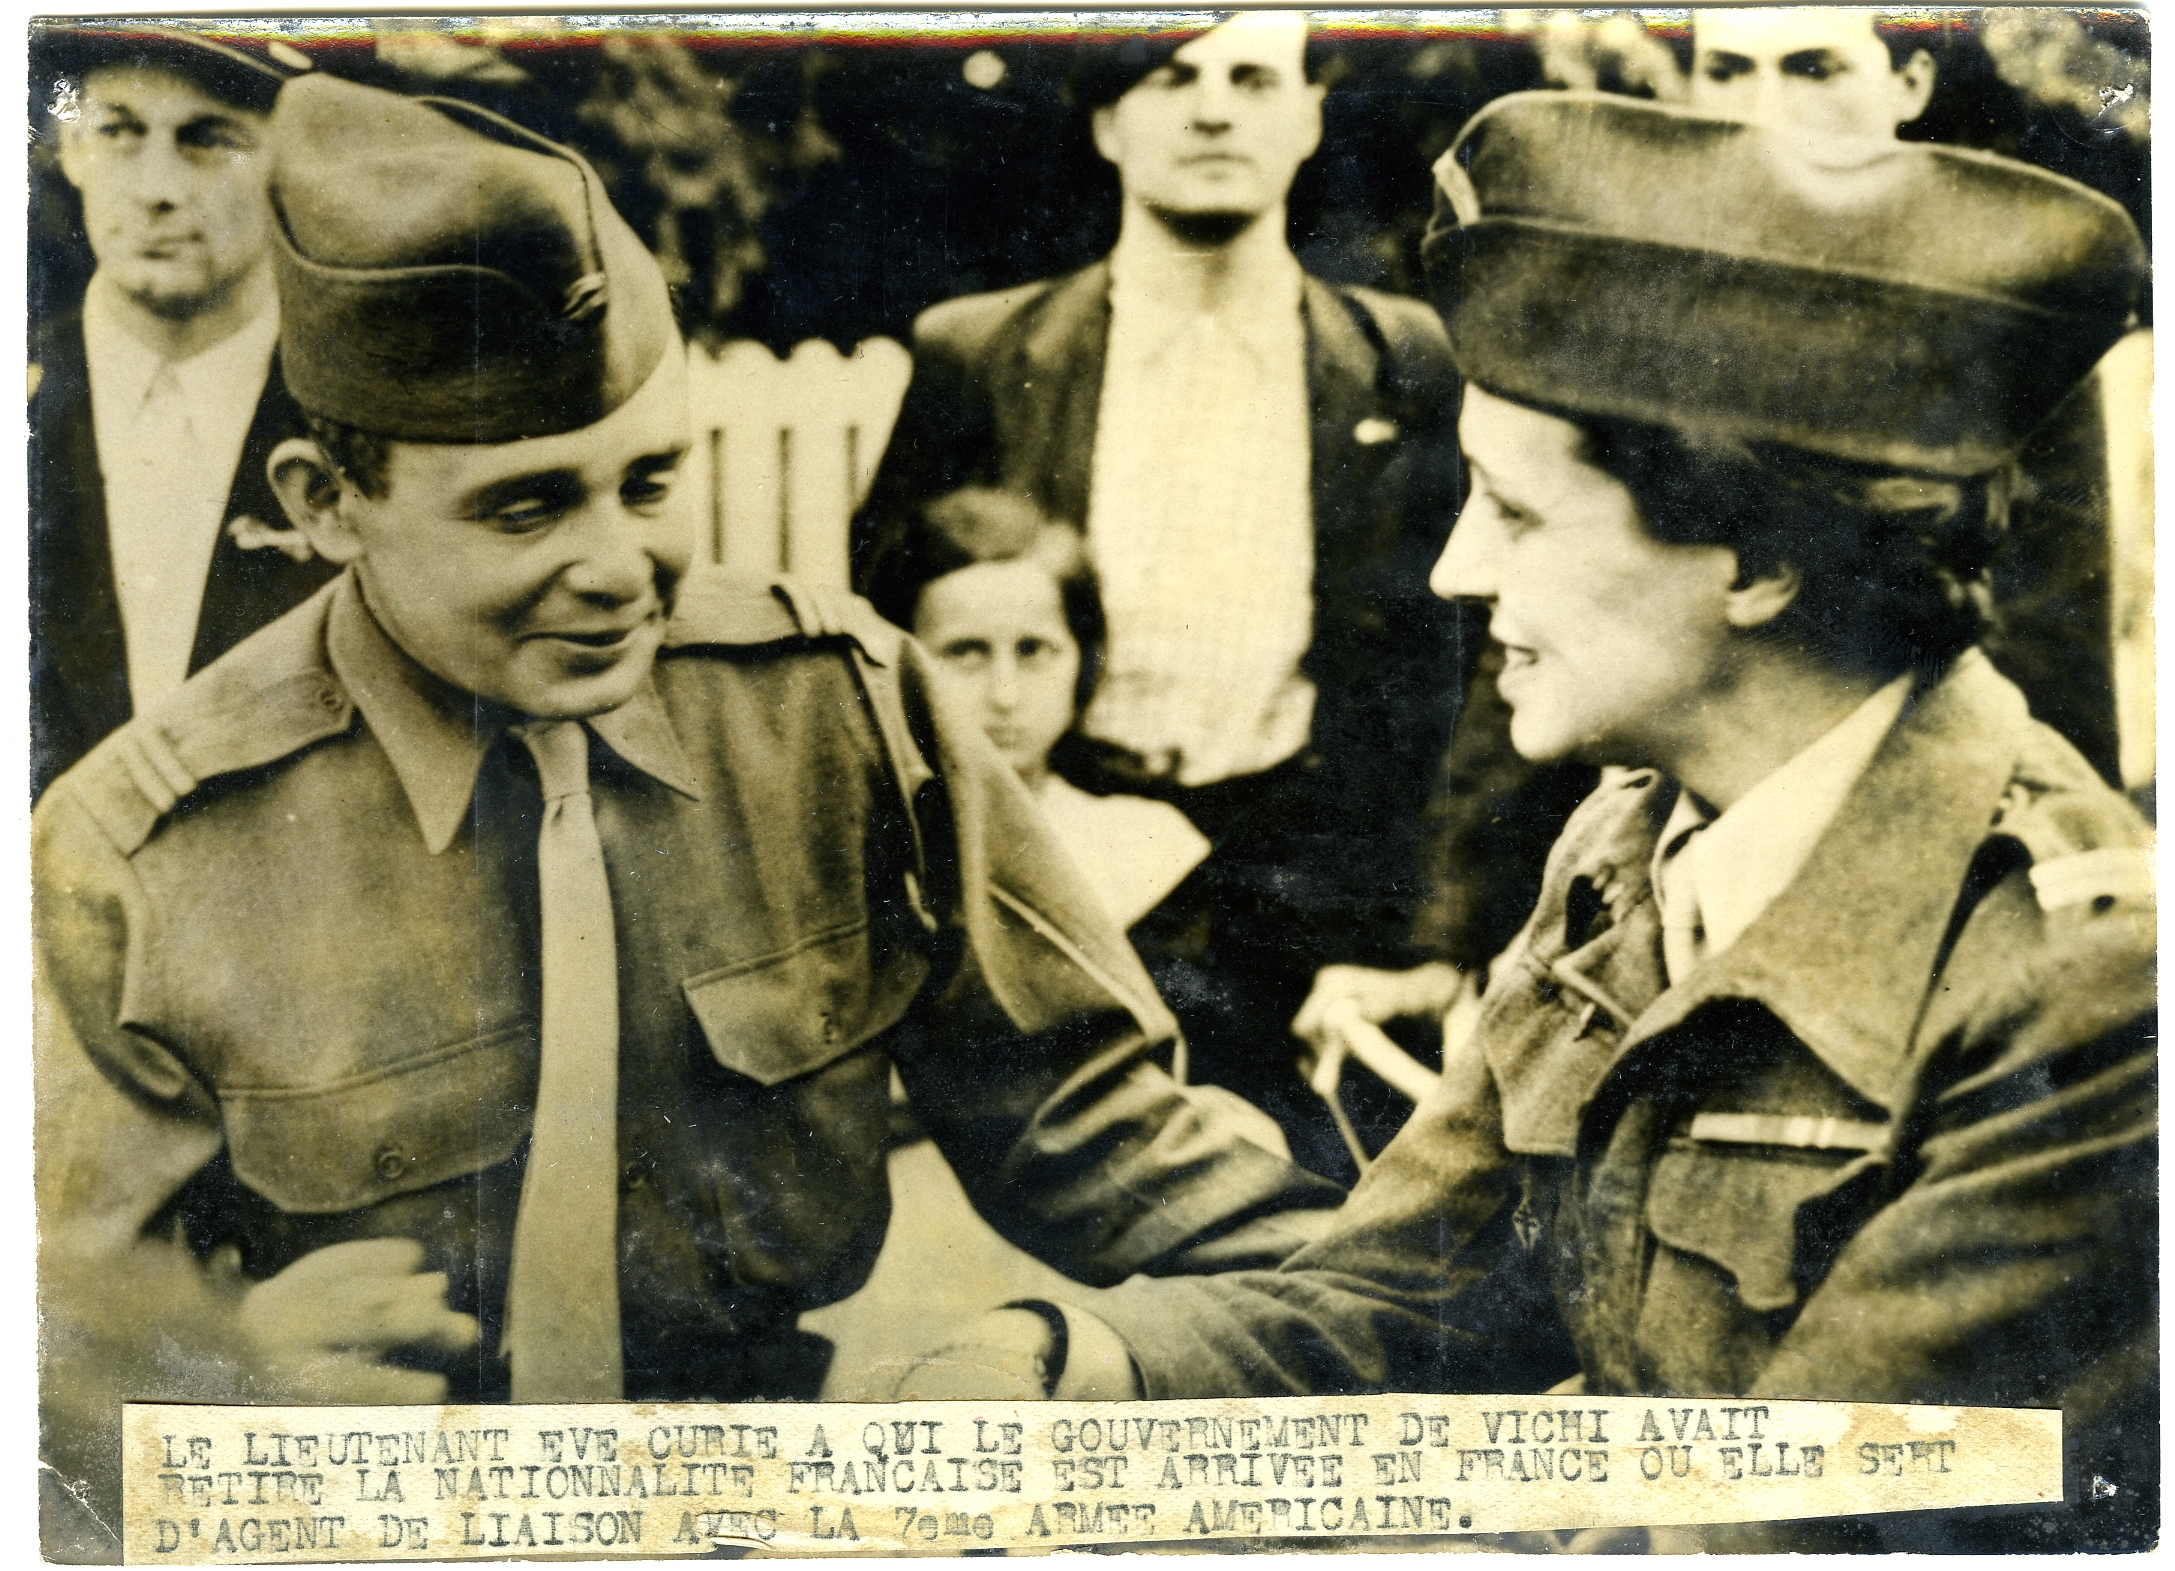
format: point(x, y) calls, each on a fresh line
point(1211, 728)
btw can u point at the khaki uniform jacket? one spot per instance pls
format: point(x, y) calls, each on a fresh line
point(1896, 1144)
point(288, 996)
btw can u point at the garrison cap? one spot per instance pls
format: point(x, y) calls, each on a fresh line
point(241, 69)
point(1898, 304)
point(447, 276)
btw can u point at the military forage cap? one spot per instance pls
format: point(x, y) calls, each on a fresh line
point(1896, 304)
point(446, 276)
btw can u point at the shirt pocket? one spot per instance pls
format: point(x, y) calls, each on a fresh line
point(797, 1010)
point(1750, 1210)
point(440, 1115)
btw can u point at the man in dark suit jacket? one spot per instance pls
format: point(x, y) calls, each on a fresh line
point(166, 368)
point(1164, 370)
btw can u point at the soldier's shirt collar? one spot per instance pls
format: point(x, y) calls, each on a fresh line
point(1740, 861)
point(435, 748)
point(1844, 954)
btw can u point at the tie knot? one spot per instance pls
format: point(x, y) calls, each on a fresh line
point(561, 749)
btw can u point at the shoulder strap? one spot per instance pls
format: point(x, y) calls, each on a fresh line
point(716, 608)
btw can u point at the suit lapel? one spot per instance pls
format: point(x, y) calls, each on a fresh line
point(1050, 394)
point(1356, 520)
point(79, 680)
point(251, 585)
point(1343, 366)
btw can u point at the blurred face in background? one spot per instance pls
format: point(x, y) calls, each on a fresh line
point(173, 183)
point(999, 628)
point(1223, 126)
point(1822, 73)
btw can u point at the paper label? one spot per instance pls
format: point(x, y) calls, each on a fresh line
point(213, 1485)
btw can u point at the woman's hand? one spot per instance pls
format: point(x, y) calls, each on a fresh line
point(1347, 1001)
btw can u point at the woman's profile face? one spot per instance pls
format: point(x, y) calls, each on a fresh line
point(1613, 640)
point(999, 628)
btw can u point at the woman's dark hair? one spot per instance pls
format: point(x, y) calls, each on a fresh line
point(977, 524)
point(1893, 565)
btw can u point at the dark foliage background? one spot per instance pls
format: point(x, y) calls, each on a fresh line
point(823, 179)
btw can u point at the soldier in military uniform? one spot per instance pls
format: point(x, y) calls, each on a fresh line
point(1825, 1065)
point(486, 981)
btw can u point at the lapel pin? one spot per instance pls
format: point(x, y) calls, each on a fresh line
point(1374, 431)
point(253, 534)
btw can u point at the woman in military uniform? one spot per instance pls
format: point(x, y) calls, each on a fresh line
point(1824, 1066)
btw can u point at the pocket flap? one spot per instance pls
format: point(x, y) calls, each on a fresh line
point(791, 1013)
point(1740, 1210)
point(322, 1150)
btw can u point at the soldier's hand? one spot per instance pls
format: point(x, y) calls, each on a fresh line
point(321, 1328)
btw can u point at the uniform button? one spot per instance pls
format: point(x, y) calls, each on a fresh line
point(392, 1161)
point(329, 698)
point(830, 1030)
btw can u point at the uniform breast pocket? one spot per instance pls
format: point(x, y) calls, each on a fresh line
point(797, 1162)
point(1743, 1236)
point(1757, 1213)
point(793, 1012)
point(426, 1119)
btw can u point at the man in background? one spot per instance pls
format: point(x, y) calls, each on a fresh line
point(155, 540)
point(1263, 466)
point(1826, 73)
point(1834, 75)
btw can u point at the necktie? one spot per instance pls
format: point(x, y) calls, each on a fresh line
point(562, 1295)
point(1683, 934)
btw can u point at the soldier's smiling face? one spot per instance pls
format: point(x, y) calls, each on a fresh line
point(537, 574)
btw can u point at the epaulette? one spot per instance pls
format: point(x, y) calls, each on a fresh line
point(715, 607)
point(271, 695)
point(2088, 846)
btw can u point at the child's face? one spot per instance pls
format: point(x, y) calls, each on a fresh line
point(1000, 628)
point(537, 574)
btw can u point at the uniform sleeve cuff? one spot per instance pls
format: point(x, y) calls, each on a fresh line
point(1092, 1363)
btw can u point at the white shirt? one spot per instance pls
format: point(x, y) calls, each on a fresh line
point(1200, 517)
point(1133, 850)
point(170, 435)
point(1735, 867)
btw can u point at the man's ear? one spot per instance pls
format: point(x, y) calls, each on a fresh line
point(70, 135)
point(308, 488)
point(1914, 86)
point(1315, 93)
point(1104, 123)
point(1756, 601)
